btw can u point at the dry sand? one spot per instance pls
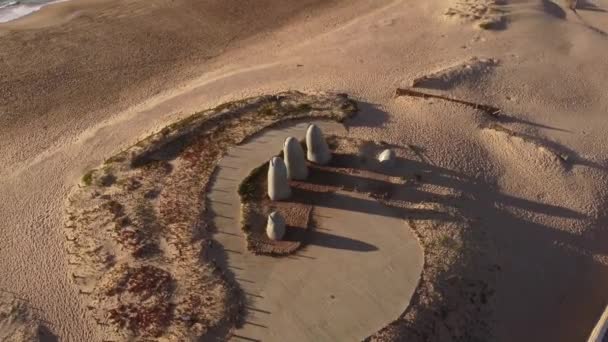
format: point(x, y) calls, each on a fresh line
point(80, 81)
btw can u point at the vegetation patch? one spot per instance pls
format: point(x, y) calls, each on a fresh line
point(136, 231)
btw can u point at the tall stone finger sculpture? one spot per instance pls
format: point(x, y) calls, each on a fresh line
point(294, 159)
point(278, 186)
point(318, 151)
point(275, 227)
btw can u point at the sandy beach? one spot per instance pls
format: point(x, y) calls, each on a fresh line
point(526, 194)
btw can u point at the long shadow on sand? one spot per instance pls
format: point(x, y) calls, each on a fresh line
point(546, 274)
point(586, 5)
point(369, 115)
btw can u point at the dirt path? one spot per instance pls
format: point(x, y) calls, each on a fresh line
point(356, 276)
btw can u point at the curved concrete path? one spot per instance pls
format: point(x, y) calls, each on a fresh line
point(356, 276)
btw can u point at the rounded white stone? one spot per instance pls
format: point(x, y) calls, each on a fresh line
point(294, 159)
point(275, 228)
point(387, 157)
point(278, 184)
point(318, 151)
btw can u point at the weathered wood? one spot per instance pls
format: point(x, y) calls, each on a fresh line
point(487, 109)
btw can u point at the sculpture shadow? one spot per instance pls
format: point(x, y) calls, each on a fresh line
point(368, 115)
point(553, 9)
point(45, 335)
point(586, 5)
point(320, 237)
point(544, 273)
point(568, 156)
point(515, 231)
point(590, 26)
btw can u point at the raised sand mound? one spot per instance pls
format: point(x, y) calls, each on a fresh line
point(135, 236)
point(487, 14)
point(452, 76)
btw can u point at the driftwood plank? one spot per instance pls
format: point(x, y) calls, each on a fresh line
point(489, 110)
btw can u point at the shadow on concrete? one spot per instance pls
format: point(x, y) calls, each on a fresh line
point(321, 236)
point(369, 115)
point(365, 205)
point(327, 240)
point(524, 243)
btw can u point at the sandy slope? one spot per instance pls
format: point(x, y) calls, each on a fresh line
point(544, 219)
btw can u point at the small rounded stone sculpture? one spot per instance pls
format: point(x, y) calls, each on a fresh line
point(387, 157)
point(275, 228)
point(294, 159)
point(318, 151)
point(278, 185)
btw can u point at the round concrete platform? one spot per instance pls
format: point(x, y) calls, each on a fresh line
point(357, 274)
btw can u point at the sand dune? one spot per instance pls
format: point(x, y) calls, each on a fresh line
point(452, 76)
point(512, 221)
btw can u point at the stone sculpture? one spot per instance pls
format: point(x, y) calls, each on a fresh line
point(278, 185)
point(275, 228)
point(295, 159)
point(318, 151)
